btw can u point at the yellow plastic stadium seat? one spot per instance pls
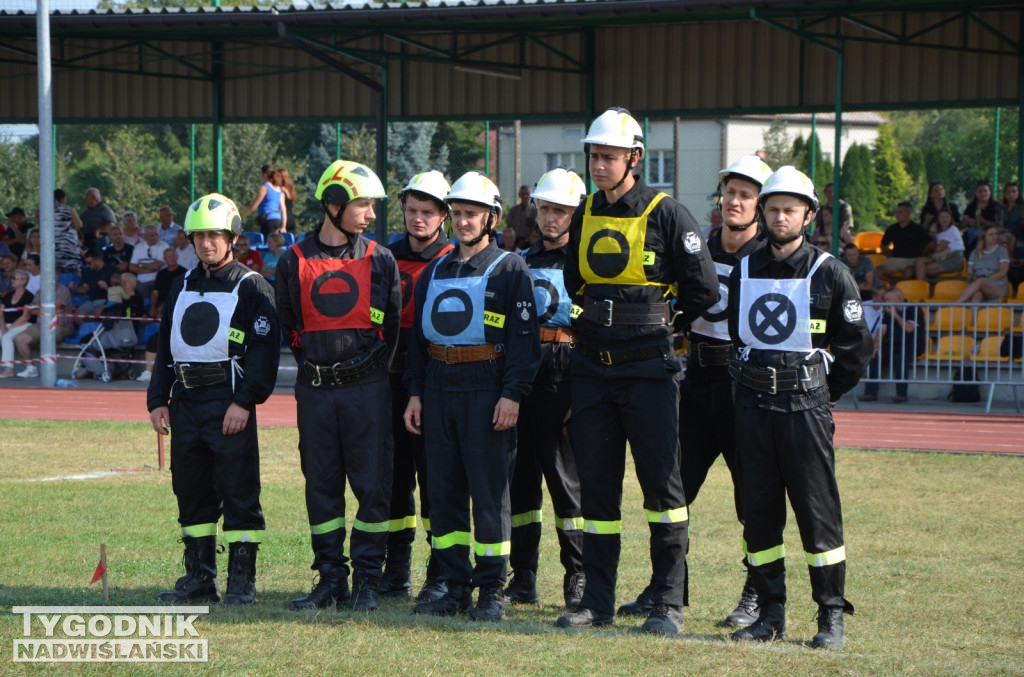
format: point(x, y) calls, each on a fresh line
point(1019, 296)
point(915, 291)
point(876, 259)
point(953, 348)
point(948, 290)
point(949, 319)
point(954, 273)
point(988, 350)
point(993, 320)
point(869, 242)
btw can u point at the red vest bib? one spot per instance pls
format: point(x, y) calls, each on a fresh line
point(336, 293)
point(410, 272)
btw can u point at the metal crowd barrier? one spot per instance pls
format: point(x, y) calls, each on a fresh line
point(952, 344)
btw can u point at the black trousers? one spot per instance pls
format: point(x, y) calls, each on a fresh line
point(707, 428)
point(543, 451)
point(344, 433)
point(638, 404)
point(213, 473)
point(468, 460)
point(791, 452)
point(410, 461)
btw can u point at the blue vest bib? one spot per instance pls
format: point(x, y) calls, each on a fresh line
point(553, 304)
point(453, 311)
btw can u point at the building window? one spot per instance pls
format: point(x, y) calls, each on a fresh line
point(573, 161)
point(662, 172)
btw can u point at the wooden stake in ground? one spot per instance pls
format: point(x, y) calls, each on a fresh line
point(101, 572)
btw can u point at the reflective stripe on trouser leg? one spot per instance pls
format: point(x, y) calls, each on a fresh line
point(200, 530)
point(244, 536)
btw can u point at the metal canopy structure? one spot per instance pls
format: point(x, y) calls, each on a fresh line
point(516, 59)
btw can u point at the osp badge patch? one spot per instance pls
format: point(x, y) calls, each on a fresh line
point(261, 326)
point(852, 311)
point(691, 242)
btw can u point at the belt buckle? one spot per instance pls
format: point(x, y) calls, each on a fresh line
point(775, 381)
point(446, 358)
point(611, 307)
point(318, 379)
point(804, 377)
point(181, 371)
point(700, 355)
point(605, 357)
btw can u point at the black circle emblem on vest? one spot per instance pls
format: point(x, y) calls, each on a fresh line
point(199, 323)
point(608, 265)
point(723, 292)
point(407, 288)
point(452, 322)
point(553, 298)
point(335, 293)
point(772, 329)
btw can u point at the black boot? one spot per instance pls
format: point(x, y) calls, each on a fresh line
point(572, 588)
point(641, 607)
point(584, 618)
point(199, 584)
point(456, 600)
point(365, 592)
point(329, 590)
point(241, 573)
point(397, 565)
point(434, 587)
point(831, 627)
point(523, 588)
point(664, 619)
point(748, 609)
point(490, 605)
point(770, 625)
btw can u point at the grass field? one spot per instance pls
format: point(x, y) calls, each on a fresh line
point(934, 545)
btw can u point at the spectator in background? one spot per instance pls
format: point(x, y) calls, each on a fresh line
point(948, 256)
point(115, 292)
point(248, 256)
point(164, 279)
point(31, 244)
point(269, 201)
point(987, 268)
point(17, 229)
point(821, 241)
point(982, 211)
point(95, 281)
point(1013, 211)
point(131, 230)
point(32, 268)
point(288, 188)
point(187, 257)
point(716, 223)
point(1016, 248)
point(863, 270)
point(936, 203)
point(522, 219)
point(66, 228)
point(24, 341)
point(168, 228)
point(8, 264)
point(903, 243)
point(147, 259)
point(17, 317)
point(133, 303)
point(901, 342)
point(118, 253)
point(509, 241)
point(275, 247)
point(96, 219)
point(823, 222)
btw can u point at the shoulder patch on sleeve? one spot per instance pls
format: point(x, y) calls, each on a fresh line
point(853, 312)
point(261, 326)
point(691, 242)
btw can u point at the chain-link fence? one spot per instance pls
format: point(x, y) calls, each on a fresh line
point(886, 158)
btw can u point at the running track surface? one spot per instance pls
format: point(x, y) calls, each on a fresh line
point(864, 429)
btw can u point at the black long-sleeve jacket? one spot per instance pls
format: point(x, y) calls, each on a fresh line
point(835, 299)
point(403, 252)
point(259, 352)
point(678, 256)
point(509, 292)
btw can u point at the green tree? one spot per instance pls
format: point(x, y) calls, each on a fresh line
point(891, 178)
point(458, 148)
point(914, 161)
point(777, 144)
point(19, 183)
point(858, 186)
point(126, 161)
point(801, 159)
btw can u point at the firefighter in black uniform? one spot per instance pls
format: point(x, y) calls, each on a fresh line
point(476, 352)
point(543, 446)
point(706, 411)
point(339, 299)
point(796, 318)
point(631, 250)
point(425, 212)
point(217, 358)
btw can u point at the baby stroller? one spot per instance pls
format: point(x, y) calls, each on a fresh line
point(104, 349)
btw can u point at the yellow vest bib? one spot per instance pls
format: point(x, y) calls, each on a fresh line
point(612, 249)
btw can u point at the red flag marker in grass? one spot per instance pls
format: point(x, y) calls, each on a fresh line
point(101, 570)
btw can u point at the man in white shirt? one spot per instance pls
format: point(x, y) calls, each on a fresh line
point(187, 257)
point(148, 259)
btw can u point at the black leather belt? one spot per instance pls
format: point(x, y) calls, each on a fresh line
point(711, 355)
point(772, 381)
point(609, 313)
point(613, 357)
point(349, 370)
point(202, 375)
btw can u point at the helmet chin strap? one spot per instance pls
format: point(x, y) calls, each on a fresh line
point(215, 266)
point(427, 238)
point(486, 231)
point(336, 220)
point(548, 238)
point(629, 165)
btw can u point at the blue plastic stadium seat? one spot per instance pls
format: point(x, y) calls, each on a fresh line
point(256, 239)
point(289, 239)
